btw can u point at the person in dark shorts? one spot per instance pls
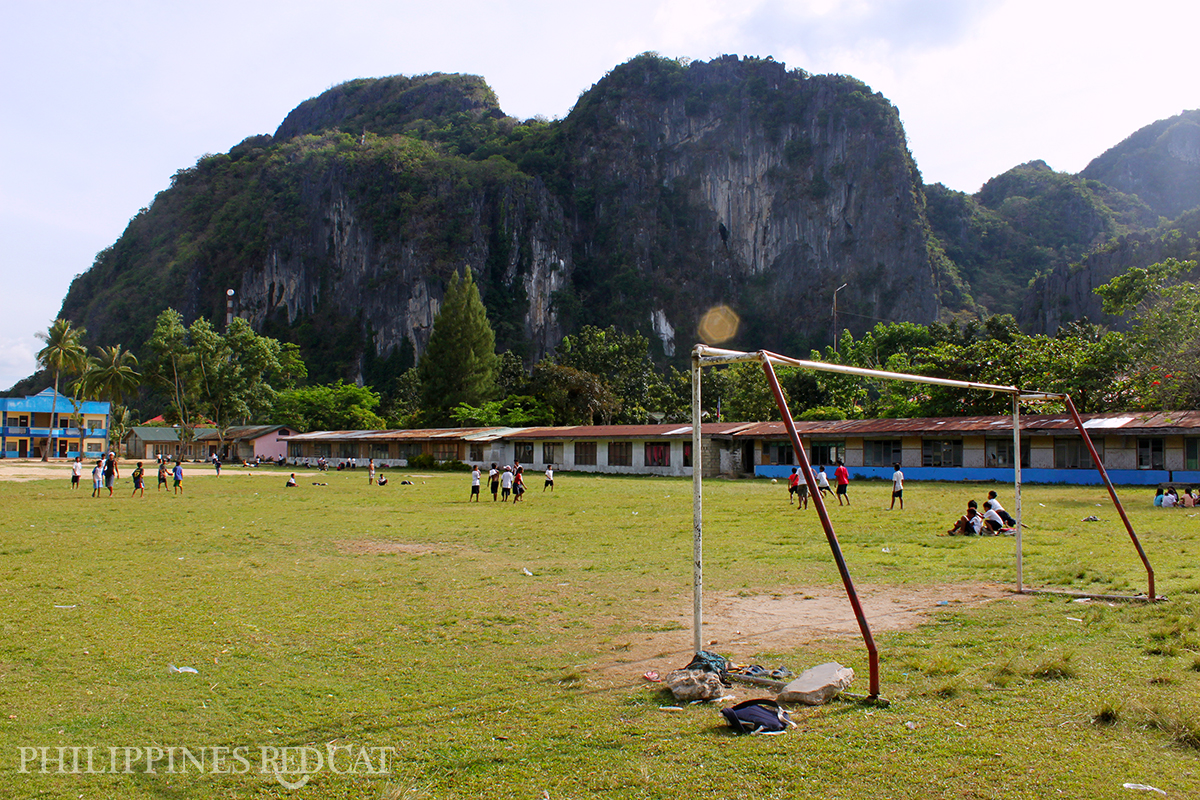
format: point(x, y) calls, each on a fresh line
point(842, 476)
point(162, 474)
point(76, 471)
point(494, 480)
point(897, 487)
point(474, 484)
point(793, 482)
point(139, 480)
point(549, 484)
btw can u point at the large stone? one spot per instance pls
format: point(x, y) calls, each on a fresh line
point(818, 685)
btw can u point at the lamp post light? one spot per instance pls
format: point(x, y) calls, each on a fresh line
point(229, 308)
point(835, 327)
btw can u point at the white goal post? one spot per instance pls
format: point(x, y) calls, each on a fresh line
point(705, 356)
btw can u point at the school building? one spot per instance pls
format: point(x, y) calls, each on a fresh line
point(1142, 448)
point(29, 424)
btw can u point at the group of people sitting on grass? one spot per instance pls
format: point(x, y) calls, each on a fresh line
point(992, 521)
point(1172, 499)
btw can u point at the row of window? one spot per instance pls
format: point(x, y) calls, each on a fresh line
point(620, 454)
point(1068, 453)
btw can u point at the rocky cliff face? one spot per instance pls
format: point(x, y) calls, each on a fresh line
point(1159, 163)
point(743, 183)
point(670, 188)
point(1067, 294)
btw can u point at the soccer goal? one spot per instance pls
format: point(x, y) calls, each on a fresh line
point(705, 356)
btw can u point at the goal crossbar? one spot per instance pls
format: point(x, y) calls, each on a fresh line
point(705, 356)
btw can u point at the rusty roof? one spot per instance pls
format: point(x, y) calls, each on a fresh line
point(411, 435)
point(672, 431)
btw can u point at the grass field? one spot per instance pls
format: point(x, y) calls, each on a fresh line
point(402, 617)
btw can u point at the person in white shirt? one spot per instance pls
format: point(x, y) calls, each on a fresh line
point(999, 509)
point(897, 487)
point(506, 482)
point(968, 524)
point(474, 484)
point(823, 482)
point(549, 484)
point(76, 471)
point(991, 520)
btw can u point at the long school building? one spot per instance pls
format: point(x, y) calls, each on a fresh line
point(1135, 448)
point(31, 425)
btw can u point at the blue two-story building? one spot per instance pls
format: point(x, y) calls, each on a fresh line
point(30, 426)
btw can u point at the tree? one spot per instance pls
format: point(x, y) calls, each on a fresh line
point(111, 376)
point(621, 360)
point(332, 407)
point(1166, 331)
point(459, 363)
point(170, 368)
point(63, 353)
point(233, 373)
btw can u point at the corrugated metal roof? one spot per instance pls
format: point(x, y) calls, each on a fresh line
point(413, 435)
point(672, 431)
point(242, 432)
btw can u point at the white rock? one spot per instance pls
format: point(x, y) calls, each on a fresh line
point(818, 685)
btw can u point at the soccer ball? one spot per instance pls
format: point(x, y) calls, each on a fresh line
point(774, 480)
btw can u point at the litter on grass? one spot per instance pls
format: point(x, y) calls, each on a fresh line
point(66, 606)
point(1142, 787)
point(191, 670)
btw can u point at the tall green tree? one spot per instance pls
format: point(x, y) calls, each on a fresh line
point(170, 368)
point(112, 375)
point(63, 353)
point(459, 364)
point(233, 373)
point(328, 407)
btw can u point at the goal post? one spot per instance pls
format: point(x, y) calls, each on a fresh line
point(705, 356)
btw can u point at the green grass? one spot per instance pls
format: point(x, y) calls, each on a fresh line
point(402, 617)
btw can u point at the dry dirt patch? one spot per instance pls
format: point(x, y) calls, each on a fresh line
point(374, 547)
point(742, 626)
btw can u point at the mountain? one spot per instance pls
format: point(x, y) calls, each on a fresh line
point(669, 188)
point(1159, 163)
point(1028, 220)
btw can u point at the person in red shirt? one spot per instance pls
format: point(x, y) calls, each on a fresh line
point(793, 482)
point(842, 476)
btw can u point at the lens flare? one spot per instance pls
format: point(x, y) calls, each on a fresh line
point(718, 325)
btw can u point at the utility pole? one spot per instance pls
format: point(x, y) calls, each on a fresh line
point(834, 316)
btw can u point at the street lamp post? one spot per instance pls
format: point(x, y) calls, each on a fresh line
point(835, 327)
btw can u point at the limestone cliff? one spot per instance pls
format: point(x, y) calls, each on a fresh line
point(669, 188)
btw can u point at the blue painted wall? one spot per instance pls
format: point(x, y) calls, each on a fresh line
point(1125, 477)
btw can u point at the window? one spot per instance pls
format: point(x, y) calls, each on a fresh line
point(476, 452)
point(445, 451)
point(941, 452)
point(828, 452)
point(379, 450)
point(1150, 454)
point(409, 450)
point(523, 452)
point(293, 450)
point(620, 454)
point(95, 447)
point(321, 449)
point(881, 452)
point(778, 453)
point(95, 424)
point(658, 454)
point(1073, 454)
point(687, 454)
point(1191, 453)
point(348, 450)
point(552, 452)
point(585, 453)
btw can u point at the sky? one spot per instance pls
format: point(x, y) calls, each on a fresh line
point(103, 102)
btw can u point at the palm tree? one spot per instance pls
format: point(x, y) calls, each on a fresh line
point(111, 376)
point(63, 353)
